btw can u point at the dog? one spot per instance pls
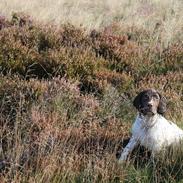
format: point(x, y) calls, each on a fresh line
point(150, 128)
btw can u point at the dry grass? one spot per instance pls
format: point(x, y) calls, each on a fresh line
point(162, 17)
point(66, 93)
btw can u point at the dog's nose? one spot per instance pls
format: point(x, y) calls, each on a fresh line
point(149, 105)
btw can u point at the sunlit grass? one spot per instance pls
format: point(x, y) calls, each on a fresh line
point(161, 18)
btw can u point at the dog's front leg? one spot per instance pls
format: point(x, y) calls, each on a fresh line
point(128, 149)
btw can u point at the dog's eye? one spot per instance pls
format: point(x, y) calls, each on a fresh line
point(146, 97)
point(156, 96)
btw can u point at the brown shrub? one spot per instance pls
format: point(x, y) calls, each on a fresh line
point(69, 128)
point(173, 57)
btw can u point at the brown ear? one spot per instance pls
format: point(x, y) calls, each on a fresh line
point(162, 105)
point(137, 100)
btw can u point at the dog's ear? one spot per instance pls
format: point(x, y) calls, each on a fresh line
point(162, 105)
point(137, 101)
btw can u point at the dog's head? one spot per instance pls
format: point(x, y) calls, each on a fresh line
point(150, 102)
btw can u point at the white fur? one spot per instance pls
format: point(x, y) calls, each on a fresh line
point(152, 132)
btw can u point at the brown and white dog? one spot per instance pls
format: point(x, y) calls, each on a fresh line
point(150, 128)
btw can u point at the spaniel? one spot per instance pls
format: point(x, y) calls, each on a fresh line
point(150, 128)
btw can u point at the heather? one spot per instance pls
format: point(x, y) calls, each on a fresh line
point(66, 100)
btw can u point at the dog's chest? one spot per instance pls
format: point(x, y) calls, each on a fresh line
point(146, 136)
point(150, 137)
point(155, 134)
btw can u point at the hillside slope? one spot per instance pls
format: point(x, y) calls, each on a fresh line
point(66, 99)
